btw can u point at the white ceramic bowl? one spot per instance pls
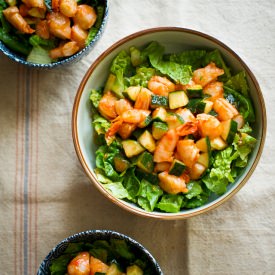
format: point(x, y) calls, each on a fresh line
point(174, 40)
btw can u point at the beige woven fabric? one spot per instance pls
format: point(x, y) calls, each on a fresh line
point(45, 195)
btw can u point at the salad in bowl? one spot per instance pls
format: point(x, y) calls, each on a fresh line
point(171, 128)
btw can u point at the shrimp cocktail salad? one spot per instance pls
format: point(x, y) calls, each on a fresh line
point(172, 129)
point(110, 257)
point(47, 31)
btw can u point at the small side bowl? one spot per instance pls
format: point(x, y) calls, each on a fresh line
point(93, 235)
point(69, 60)
point(174, 40)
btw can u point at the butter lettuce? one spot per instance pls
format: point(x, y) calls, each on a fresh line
point(170, 203)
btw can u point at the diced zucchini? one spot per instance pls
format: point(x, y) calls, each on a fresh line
point(151, 177)
point(113, 85)
point(159, 129)
point(132, 147)
point(218, 143)
point(192, 104)
point(145, 122)
point(213, 113)
point(132, 92)
point(203, 145)
point(159, 114)
point(229, 130)
point(195, 91)
point(174, 120)
point(134, 270)
point(204, 159)
point(177, 99)
point(147, 141)
point(159, 101)
point(114, 270)
point(145, 162)
point(177, 168)
point(137, 133)
point(204, 106)
point(121, 164)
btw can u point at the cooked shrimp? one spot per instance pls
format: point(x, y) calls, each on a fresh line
point(209, 126)
point(187, 128)
point(15, 18)
point(97, 266)
point(186, 114)
point(160, 85)
point(224, 109)
point(79, 35)
point(106, 106)
point(135, 115)
point(122, 105)
point(126, 129)
point(165, 147)
point(85, 16)
point(80, 265)
point(68, 7)
point(205, 75)
point(143, 99)
point(42, 29)
point(64, 50)
point(188, 152)
point(35, 4)
point(214, 89)
point(59, 25)
point(180, 87)
point(23, 10)
point(132, 116)
point(172, 184)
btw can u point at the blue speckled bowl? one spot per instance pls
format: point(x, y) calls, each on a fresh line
point(74, 58)
point(90, 236)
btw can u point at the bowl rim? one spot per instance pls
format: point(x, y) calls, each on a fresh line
point(70, 59)
point(102, 234)
point(125, 205)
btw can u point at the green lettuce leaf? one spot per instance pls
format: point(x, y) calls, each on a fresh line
point(170, 203)
point(101, 125)
point(59, 266)
point(122, 249)
point(243, 104)
point(238, 83)
point(131, 184)
point(189, 57)
point(179, 73)
point(142, 77)
point(117, 189)
point(194, 189)
point(95, 97)
point(148, 195)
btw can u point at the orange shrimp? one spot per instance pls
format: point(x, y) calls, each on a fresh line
point(143, 99)
point(68, 7)
point(64, 50)
point(106, 105)
point(196, 171)
point(13, 16)
point(122, 105)
point(224, 109)
point(59, 25)
point(214, 89)
point(209, 126)
point(186, 114)
point(126, 129)
point(172, 184)
point(161, 85)
point(80, 265)
point(42, 29)
point(23, 10)
point(135, 115)
point(35, 4)
point(187, 128)
point(79, 35)
point(165, 147)
point(85, 16)
point(205, 75)
point(97, 266)
point(188, 152)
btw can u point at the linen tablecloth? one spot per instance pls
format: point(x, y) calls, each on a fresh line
point(45, 195)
